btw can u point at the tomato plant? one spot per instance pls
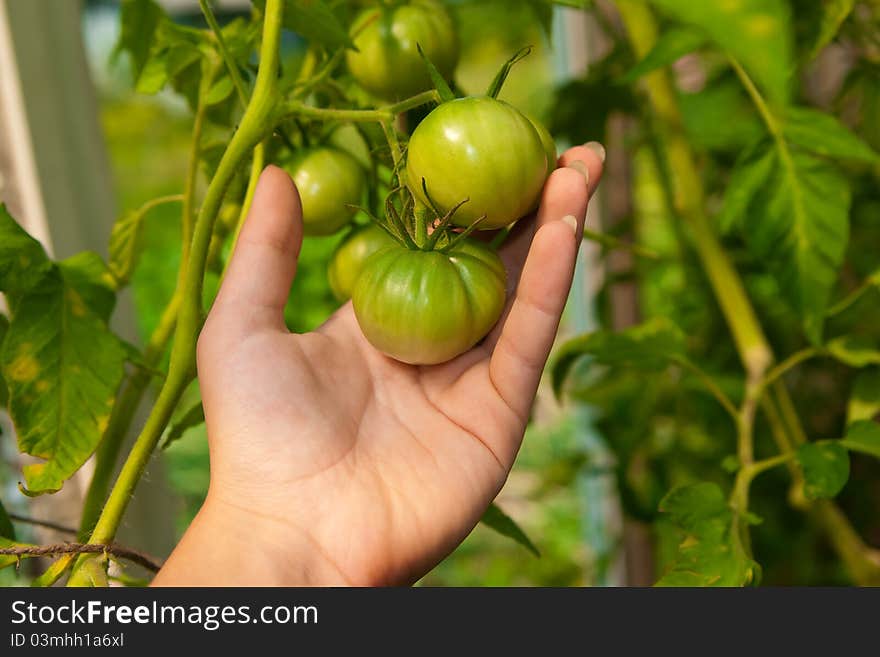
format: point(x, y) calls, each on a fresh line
point(481, 151)
point(427, 307)
point(386, 61)
point(329, 182)
point(732, 372)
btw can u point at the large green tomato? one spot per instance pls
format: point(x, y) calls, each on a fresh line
point(387, 61)
point(482, 150)
point(547, 142)
point(349, 258)
point(328, 180)
point(427, 307)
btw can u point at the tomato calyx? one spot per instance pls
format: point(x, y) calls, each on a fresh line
point(419, 227)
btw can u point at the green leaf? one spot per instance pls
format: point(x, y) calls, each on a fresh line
point(709, 555)
point(193, 417)
point(502, 523)
point(6, 528)
point(501, 76)
point(834, 12)
point(314, 21)
point(826, 468)
point(823, 134)
point(753, 167)
point(755, 32)
point(87, 274)
point(219, 91)
point(863, 436)
point(126, 245)
point(23, 261)
point(793, 211)
point(62, 366)
point(864, 400)
point(4, 392)
point(140, 19)
point(648, 346)
point(672, 45)
point(854, 350)
point(437, 79)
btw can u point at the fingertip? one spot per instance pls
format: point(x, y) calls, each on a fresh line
point(566, 193)
point(591, 159)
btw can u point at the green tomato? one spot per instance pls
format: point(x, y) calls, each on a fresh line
point(427, 307)
point(328, 180)
point(387, 61)
point(547, 142)
point(349, 258)
point(482, 150)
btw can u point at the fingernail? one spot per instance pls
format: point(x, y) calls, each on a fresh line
point(579, 165)
point(597, 148)
point(571, 221)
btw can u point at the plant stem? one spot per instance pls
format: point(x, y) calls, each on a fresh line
point(119, 551)
point(745, 476)
point(298, 108)
point(231, 67)
point(792, 361)
point(129, 399)
point(121, 418)
point(258, 120)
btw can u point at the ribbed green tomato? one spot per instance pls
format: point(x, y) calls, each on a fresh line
point(387, 61)
point(483, 150)
point(327, 180)
point(349, 258)
point(547, 142)
point(427, 307)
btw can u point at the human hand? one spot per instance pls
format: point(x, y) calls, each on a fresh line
point(334, 464)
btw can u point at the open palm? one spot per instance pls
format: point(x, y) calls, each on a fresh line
point(337, 463)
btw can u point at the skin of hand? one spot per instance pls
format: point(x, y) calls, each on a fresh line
point(332, 464)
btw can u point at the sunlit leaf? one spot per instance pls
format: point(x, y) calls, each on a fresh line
point(62, 366)
point(863, 436)
point(23, 261)
point(825, 466)
point(502, 523)
point(755, 32)
point(709, 555)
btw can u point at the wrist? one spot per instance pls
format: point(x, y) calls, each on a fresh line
point(227, 545)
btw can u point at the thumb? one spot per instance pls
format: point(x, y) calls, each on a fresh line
point(263, 264)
